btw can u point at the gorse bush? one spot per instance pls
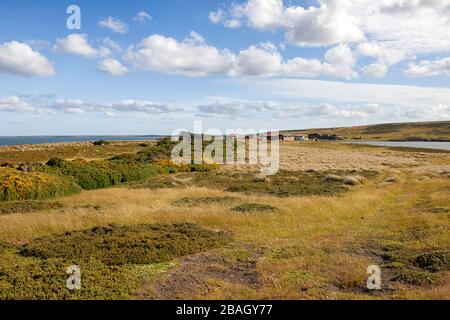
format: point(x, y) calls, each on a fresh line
point(100, 174)
point(60, 177)
point(16, 185)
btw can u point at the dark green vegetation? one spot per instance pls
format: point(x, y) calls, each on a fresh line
point(254, 207)
point(101, 143)
point(193, 202)
point(415, 267)
point(107, 256)
point(283, 184)
point(61, 177)
point(16, 185)
point(28, 206)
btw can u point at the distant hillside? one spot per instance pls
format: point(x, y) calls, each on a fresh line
point(389, 131)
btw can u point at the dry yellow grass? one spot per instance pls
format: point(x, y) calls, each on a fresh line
point(311, 248)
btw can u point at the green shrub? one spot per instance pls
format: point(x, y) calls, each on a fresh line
point(28, 206)
point(192, 202)
point(100, 174)
point(119, 245)
point(17, 186)
point(416, 278)
point(254, 207)
point(433, 261)
point(101, 143)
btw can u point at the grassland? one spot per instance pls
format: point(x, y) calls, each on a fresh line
point(310, 232)
point(413, 131)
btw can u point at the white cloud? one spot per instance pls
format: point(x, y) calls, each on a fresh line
point(375, 70)
point(20, 59)
point(194, 57)
point(70, 106)
point(132, 105)
point(142, 17)
point(111, 44)
point(216, 16)
point(305, 110)
point(345, 92)
point(48, 105)
point(114, 25)
point(14, 104)
point(257, 61)
point(113, 67)
point(328, 24)
point(190, 57)
point(75, 44)
point(427, 68)
point(388, 31)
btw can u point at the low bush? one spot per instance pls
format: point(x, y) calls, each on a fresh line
point(193, 202)
point(254, 207)
point(101, 143)
point(28, 206)
point(433, 261)
point(415, 277)
point(120, 245)
point(100, 174)
point(17, 186)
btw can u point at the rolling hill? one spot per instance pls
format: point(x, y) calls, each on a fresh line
point(409, 131)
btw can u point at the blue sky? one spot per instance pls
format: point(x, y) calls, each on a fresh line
point(150, 67)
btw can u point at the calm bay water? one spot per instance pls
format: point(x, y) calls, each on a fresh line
point(407, 144)
point(10, 141)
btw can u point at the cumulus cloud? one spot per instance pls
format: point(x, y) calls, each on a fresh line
point(194, 57)
point(234, 108)
point(20, 59)
point(375, 70)
point(43, 104)
point(142, 17)
point(428, 68)
point(71, 106)
point(75, 44)
point(113, 24)
point(388, 31)
point(133, 105)
point(113, 67)
point(226, 108)
point(190, 57)
point(14, 104)
point(111, 44)
point(328, 24)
